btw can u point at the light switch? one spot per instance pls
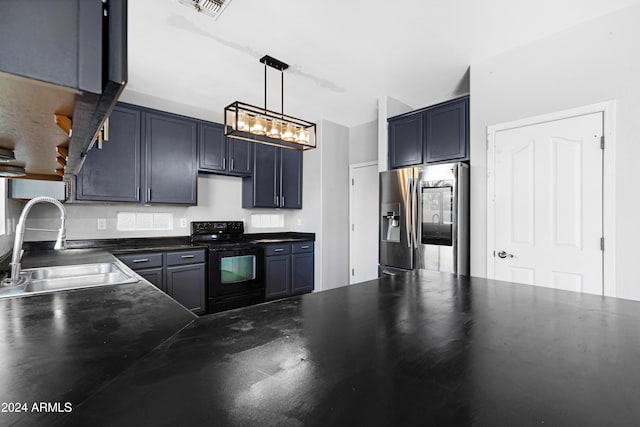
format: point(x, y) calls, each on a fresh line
point(102, 223)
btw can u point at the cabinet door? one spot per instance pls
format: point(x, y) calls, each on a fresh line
point(290, 179)
point(186, 284)
point(277, 276)
point(239, 156)
point(405, 141)
point(446, 132)
point(261, 189)
point(155, 276)
point(171, 172)
point(212, 148)
point(113, 173)
point(54, 41)
point(302, 272)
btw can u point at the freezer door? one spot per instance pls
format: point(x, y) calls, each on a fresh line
point(395, 232)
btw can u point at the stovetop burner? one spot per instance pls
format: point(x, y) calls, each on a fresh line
point(218, 233)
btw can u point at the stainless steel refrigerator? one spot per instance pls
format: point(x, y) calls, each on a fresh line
point(424, 219)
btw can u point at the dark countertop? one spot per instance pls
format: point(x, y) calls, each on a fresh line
point(415, 349)
point(64, 346)
point(146, 244)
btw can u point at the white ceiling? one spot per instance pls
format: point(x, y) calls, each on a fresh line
point(343, 54)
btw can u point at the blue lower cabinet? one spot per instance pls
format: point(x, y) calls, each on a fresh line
point(289, 269)
point(155, 276)
point(185, 284)
point(180, 274)
point(277, 276)
point(301, 273)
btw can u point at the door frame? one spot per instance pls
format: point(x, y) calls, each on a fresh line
point(352, 167)
point(608, 110)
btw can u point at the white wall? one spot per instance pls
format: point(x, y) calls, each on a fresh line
point(387, 107)
point(590, 63)
point(335, 205)
point(363, 143)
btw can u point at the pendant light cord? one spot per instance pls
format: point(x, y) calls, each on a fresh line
point(281, 91)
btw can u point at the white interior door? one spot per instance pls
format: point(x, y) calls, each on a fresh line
point(363, 244)
point(548, 204)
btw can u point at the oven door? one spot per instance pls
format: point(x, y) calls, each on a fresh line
point(235, 271)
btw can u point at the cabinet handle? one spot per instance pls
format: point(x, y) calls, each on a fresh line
point(224, 163)
point(304, 247)
point(277, 201)
point(135, 261)
point(282, 201)
point(149, 194)
point(278, 250)
point(187, 256)
point(231, 168)
point(105, 128)
point(137, 193)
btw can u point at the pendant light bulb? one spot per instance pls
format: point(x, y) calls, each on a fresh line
point(243, 121)
point(288, 134)
point(273, 129)
point(258, 125)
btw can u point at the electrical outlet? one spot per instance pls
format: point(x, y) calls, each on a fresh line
point(102, 223)
point(183, 222)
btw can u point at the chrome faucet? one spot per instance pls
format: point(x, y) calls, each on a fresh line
point(61, 242)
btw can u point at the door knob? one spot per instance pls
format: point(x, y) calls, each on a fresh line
point(503, 254)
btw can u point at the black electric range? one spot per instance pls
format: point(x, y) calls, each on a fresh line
point(236, 268)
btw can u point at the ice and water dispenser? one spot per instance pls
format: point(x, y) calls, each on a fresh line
point(390, 222)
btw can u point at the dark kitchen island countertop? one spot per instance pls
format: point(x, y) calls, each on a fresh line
point(415, 349)
point(61, 347)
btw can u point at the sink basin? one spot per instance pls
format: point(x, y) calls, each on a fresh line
point(66, 277)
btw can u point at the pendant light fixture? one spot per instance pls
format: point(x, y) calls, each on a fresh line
point(255, 124)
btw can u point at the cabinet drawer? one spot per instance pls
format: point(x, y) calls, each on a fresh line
point(185, 257)
point(282, 249)
point(301, 247)
point(142, 260)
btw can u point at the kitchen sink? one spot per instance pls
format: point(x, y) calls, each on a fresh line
point(67, 277)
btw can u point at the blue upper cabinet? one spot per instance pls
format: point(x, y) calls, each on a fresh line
point(434, 134)
point(261, 190)
point(73, 43)
point(171, 159)
point(405, 141)
point(221, 155)
point(290, 179)
point(447, 135)
point(212, 148)
point(113, 172)
point(150, 157)
point(276, 181)
point(78, 44)
point(239, 157)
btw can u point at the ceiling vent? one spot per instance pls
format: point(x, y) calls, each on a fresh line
point(212, 8)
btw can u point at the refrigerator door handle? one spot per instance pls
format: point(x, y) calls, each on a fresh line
point(408, 211)
point(415, 207)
